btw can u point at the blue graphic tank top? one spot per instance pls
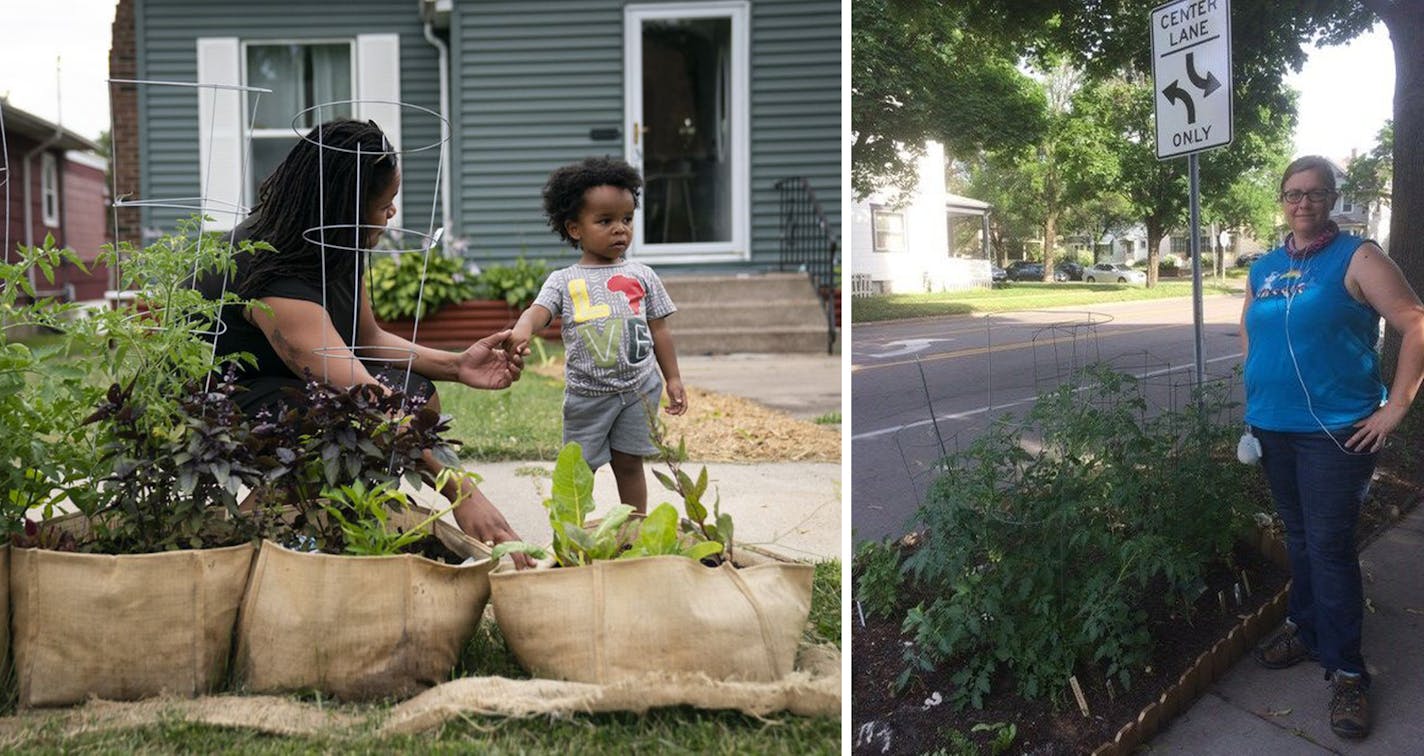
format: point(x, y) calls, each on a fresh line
point(1302, 306)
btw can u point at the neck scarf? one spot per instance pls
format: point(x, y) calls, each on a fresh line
point(1327, 235)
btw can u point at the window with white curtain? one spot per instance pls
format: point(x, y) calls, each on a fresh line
point(49, 188)
point(300, 75)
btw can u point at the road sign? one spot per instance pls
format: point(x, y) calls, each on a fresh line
point(1191, 72)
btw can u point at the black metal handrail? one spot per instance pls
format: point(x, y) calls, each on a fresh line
point(808, 244)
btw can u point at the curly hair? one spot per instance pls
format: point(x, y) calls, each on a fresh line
point(289, 202)
point(564, 191)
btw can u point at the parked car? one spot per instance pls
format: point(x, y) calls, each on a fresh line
point(1024, 270)
point(1116, 272)
point(1244, 261)
point(1068, 271)
point(997, 274)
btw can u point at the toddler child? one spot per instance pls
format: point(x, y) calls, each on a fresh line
point(614, 323)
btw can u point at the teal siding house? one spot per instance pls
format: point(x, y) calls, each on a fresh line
point(731, 109)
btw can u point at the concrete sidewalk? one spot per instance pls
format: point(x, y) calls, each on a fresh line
point(790, 509)
point(1253, 710)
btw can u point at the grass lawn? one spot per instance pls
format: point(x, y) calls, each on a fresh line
point(1019, 296)
point(524, 421)
point(683, 730)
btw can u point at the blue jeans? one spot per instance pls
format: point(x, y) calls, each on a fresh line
point(1318, 491)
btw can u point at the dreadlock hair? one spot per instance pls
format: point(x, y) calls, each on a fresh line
point(563, 193)
point(289, 202)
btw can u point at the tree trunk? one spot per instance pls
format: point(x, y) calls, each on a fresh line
point(1405, 21)
point(1154, 240)
point(1050, 238)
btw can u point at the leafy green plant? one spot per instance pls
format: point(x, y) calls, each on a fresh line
point(878, 586)
point(328, 437)
point(720, 529)
point(516, 284)
point(174, 486)
point(617, 536)
point(396, 291)
point(1038, 561)
point(364, 516)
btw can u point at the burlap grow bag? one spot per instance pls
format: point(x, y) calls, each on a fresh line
point(123, 627)
point(359, 627)
point(619, 620)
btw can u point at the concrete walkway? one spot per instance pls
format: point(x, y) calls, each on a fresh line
point(1253, 710)
point(790, 509)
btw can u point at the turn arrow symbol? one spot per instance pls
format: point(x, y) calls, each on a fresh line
point(1207, 84)
point(1174, 93)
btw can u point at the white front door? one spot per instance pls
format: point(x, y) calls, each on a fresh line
point(686, 98)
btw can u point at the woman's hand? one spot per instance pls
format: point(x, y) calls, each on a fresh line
point(479, 518)
point(487, 365)
point(1374, 429)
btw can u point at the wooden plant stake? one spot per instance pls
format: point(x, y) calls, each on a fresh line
point(1078, 694)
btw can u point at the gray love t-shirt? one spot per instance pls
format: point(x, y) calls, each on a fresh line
point(608, 347)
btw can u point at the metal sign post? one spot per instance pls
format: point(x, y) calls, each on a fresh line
point(1191, 72)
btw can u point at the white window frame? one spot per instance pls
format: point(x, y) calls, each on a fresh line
point(49, 189)
point(738, 248)
point(877, 211)
point(223, 149)
point(249, 187)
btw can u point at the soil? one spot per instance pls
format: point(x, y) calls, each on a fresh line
point(1052, 727)
point(434, 549)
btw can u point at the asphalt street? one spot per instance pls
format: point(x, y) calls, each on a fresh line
point(923, 387)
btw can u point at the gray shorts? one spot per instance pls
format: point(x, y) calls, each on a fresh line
point(609, 422)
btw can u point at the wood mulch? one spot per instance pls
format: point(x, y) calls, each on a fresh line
point(726, 428)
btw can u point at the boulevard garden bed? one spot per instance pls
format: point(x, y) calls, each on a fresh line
point(326, 578)
point(1073, 590)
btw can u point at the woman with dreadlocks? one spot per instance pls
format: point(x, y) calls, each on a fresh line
point(312, 309)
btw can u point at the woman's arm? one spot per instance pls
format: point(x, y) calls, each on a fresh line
point(1245, 340)
point(484, 365)
point(1373, 278)
point(302, 335)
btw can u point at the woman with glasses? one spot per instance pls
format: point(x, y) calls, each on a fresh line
point(1317, 403)
point(320, 210)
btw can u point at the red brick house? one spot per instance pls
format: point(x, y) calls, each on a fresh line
point(52, 182)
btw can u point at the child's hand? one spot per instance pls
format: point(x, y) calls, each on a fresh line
point(518, 342)
point(677, 397)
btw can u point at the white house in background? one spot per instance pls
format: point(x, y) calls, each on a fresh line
point(901, 242)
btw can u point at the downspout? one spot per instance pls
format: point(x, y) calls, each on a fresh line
point(444, 51)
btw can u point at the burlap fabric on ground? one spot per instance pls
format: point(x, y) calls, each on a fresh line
point(813, 689)
point(613, 621)
point(123, 627)
point(360, 628)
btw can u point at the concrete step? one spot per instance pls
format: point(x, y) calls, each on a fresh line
point(766, 287)
point(799, 339)
point(734, 314)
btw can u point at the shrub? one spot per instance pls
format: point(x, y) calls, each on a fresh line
point(396, 284)
point(1169, 265)
point(877, 586)
point(1039, 561)
point(516, 284)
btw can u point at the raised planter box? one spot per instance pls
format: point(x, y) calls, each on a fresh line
point(619, 620)
point(360, 628)
point(457, 326)
point(123, 627)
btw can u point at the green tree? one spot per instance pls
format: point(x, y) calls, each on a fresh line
point(923, 72)
point(1368, 178)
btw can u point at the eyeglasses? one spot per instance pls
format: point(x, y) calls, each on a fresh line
point(1294, 196)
